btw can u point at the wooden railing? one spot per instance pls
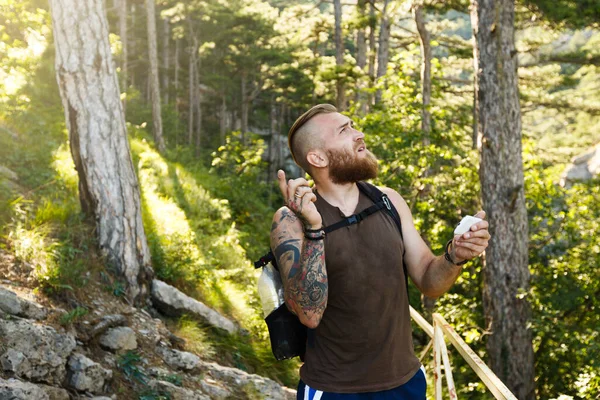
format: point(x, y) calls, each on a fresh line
point(437, 333)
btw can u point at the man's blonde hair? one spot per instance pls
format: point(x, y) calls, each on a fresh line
point(302, 139)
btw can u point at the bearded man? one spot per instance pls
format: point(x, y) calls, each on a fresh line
point(349, 287)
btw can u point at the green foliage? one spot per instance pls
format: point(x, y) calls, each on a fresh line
point(245, 181)
point(152, 394)
point(564, 253)
point(113, 285)
point(128, 363)
point(73, 315)
point(175, 379)
point(569, 13)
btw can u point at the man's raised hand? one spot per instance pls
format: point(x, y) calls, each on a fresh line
point(472, 243)
point(299, 198)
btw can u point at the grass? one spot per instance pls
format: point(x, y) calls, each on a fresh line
point(196, 246)
point(196, 337)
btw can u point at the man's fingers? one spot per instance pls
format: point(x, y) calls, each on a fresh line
point(309, 197)
point(481, 232)
point(301, 191)
point(476, 248)
point(294, 184)
point(282, 185)
point(480, 214)
point(476, 241)
point(479, 226)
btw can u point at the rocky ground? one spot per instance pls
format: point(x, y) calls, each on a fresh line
point(114, 351)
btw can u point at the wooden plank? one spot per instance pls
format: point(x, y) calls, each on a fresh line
point(422, 322)
point(437, 363)
point(439, 334)
point(493, 383)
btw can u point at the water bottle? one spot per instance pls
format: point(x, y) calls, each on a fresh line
point(270, 289)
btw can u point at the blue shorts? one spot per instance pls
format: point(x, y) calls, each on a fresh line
point(414, 389)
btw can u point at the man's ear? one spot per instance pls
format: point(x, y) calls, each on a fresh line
point(317, 158)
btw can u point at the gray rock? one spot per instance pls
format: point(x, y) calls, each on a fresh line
point(14, 389)
point(178, 359)
point(107, 322)
point(268, 388)
point(86, 375)
point(35, 352)
point(583, 167)
point(119, 339)
point(173, 302)
point(55, 393)
point(13, 304)
point(158, 372)
point(214, 391)
point(176, 392)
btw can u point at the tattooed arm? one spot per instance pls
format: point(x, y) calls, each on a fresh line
point(302, 266)
point(301, 261)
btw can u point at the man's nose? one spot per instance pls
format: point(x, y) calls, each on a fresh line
point(358, 135)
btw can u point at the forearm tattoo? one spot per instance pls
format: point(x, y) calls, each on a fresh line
point(302, 264)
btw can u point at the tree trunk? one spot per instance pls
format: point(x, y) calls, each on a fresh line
point(198, 103)
point(108, 186)
point(191, 89)
point(384, 47)
point(132, 46)
point(154, 88)
point(279, 156)
point(361, 58)
point(273, 147)
point(372, 51)
point(425, 41)
point(166, 56)
point(223, 119)
point(361, 38)
point(176, 83)
point(505, 274)
point(315, 67)
point(244, 90)
point(475, 134)
point(123, 34)
point(339, 55)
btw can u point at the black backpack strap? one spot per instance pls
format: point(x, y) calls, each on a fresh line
point(377, 196)
point(351, 220)
point(356, 218)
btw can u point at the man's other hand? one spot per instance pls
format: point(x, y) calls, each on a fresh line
point(472, 243)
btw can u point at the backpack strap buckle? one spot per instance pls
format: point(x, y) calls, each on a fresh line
point(386, 201)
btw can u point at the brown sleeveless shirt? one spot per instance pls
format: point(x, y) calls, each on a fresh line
point(364, 341)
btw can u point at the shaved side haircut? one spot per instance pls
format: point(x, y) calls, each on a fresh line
point(304, 136)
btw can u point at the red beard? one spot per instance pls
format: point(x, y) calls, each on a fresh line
point(346, 167)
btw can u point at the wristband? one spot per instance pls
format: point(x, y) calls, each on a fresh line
point(447, 255)
point(314, 234)
point(313, 230)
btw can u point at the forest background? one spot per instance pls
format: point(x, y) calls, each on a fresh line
point(234, 74)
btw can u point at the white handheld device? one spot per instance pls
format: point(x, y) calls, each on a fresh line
point(465, 224)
